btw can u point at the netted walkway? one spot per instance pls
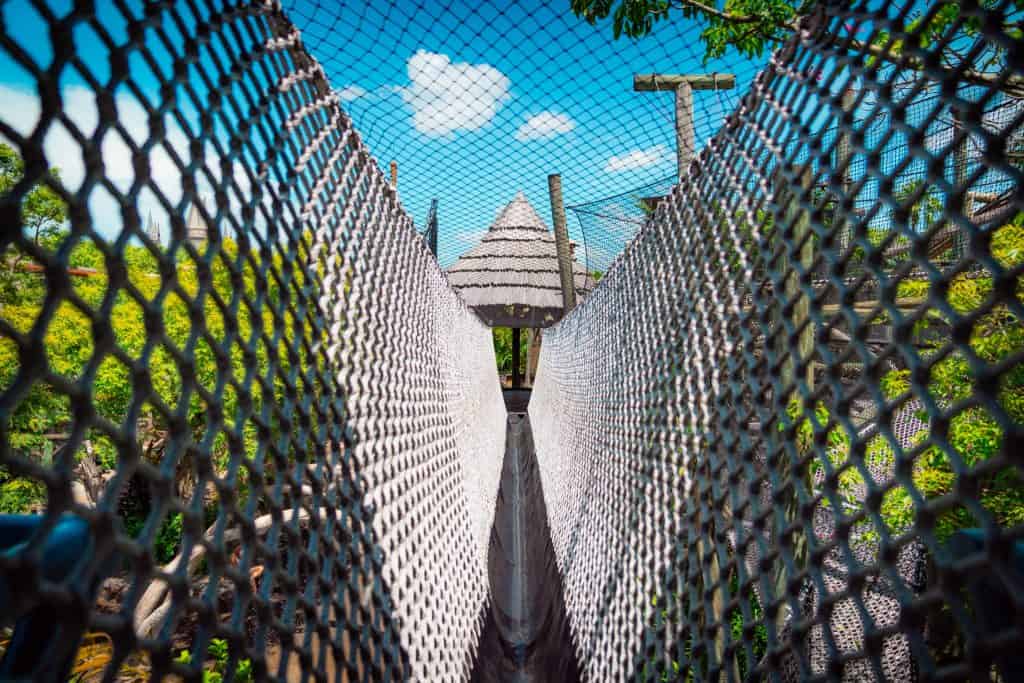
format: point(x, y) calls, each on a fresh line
point(780, 440)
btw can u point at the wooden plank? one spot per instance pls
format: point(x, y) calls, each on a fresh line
point(669, 82)
point(863, 308)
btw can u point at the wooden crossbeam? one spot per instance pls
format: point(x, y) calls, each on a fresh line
point(683, 86)
point(669, 82)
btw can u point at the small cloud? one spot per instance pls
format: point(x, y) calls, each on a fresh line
point(638, 158)
point(544, 125)
point(448, 96)
point(351, 92)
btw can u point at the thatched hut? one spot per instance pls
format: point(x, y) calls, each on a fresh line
point(511, 278)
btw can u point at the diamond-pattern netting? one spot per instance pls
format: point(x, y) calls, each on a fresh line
point(247, 429)
point(282, 427)
point(766, 433)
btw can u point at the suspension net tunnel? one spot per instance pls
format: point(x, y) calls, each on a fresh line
point(252, 424)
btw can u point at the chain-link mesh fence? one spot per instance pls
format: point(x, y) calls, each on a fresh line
point(271, 439)
point(774, 448)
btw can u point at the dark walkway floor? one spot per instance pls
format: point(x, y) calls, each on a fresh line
point(516, 400)
point(526, 631)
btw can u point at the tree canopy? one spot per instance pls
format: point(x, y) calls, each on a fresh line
point(42, 209)
point(752, 26)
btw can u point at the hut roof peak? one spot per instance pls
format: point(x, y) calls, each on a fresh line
point(519, 213)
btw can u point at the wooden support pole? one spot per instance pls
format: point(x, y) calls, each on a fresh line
point(844, 153)
point(683, 86)
point(686, 139)
point(516, 379)
point(562, 243)
point(431, 230)
point(801, 221)
point(801, 309)
point(532, 355)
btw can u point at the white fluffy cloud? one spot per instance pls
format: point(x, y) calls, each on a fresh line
point(447, 96)
point(21, 112)
point(638, 158)
point(544, 125)
point(351, 92)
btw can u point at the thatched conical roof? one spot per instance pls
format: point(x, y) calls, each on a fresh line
point(511, 278)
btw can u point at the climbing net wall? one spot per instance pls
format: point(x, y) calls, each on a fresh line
point(779, 442)
point(271, 437)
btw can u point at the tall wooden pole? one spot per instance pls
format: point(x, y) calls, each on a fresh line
point(562, 242)
point(801, 308)
point(516, 379)
point(683, 86)
point(686, 141)
point(805, 351)
point(844, 153)
point(431, 230)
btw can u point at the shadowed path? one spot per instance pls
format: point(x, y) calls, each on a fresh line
point(526, 632)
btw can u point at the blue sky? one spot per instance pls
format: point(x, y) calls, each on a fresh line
point(563, 101)
point(474, 102)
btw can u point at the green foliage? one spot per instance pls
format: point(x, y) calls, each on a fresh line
point(751, 27)
point(217, 663)
point(20, 495)
point(755, 627)
point(974, 434)
point(808, 425)
point(748, 26)
point(68, 342)
point(503, 350)
point(925, 206)
point(168, 539)
point(42, 209)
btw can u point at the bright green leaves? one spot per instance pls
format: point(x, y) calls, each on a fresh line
point(748, 26)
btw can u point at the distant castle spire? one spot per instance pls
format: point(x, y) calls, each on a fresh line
point(196, 230)
point(153, 229)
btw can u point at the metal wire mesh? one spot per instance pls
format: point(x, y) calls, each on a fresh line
point(283, 429)
point(781, 439)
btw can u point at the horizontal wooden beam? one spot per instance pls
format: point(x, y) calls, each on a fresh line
point(669, 82)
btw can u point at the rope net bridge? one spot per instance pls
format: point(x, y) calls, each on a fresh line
point(262, 437)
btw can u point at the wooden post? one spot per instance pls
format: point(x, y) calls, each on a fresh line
point(805, 350)
point(431, 230)
point(562, 242)
point(686, 140)
point(683, 87)
point(516, 379)
point(843, 155)
point(801, 309)
point(532, 355)
point(394, 175)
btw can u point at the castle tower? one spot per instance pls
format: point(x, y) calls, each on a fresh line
point(153, 229)
point(196, 230)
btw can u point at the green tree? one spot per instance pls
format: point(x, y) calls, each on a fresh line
point(752, 26)
point(42, 210)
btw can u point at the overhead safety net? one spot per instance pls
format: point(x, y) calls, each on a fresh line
point(249, 431)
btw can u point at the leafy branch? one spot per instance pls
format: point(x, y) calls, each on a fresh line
point(751, 26)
